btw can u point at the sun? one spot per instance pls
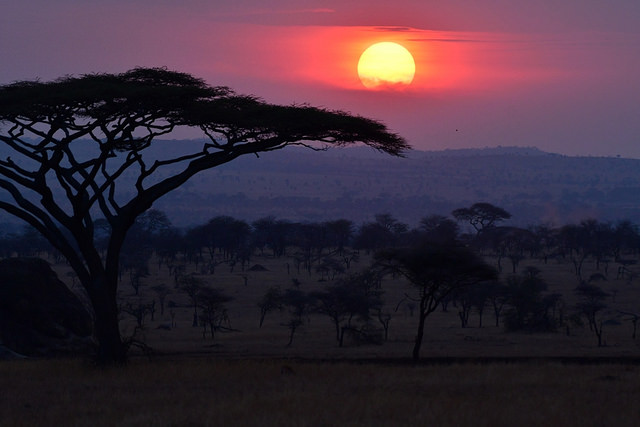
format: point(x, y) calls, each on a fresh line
point(386, 65)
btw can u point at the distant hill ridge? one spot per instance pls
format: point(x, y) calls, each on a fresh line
point(175, 146)
point(489, 151)
point(364, 151)
point(357, 182)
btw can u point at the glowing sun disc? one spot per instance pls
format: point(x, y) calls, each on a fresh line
point(386, 64)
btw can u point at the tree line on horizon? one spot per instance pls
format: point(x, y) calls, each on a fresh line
point(238, 239)
point(448, 267)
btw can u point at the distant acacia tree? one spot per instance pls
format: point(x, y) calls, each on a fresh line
point(340, 233)
point(161, 291)
point(298, 305)
point(352, 297)
point(497, 296)
point(438, 228)
point(577, 243)
point(436, 270)
point(530, 308)
point(270, 301)
point(276, 234)
point(626, 237)
point(226, 235)
point(213, 312)
point(508, 242)
point(591, 305)
point(72, 141)
point(471, 297)
point(384, 232)
point(481, 215)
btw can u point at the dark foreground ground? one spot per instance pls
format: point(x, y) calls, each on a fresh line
point(207, 391)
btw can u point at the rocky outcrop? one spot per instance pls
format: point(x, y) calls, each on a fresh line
point(39, 315)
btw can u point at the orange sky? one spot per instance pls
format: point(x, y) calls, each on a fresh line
point(560, 76)
point(327, 56)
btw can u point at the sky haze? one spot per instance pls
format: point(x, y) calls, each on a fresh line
point(562, 76)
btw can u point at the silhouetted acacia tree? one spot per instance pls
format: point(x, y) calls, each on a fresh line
point(438, 228)
point(298, 305)
point(497, 295)
point(471, 297)
point(545, 241)
point(139, 311)
point(139, 245)
point(481, 215)
point(310, 239)
point(192, 286)
point(272, 233)
point(384, 232)
point(339, 234)
point(591, 305)
point(161, 291)
point(574, 244)
point(601, 242)
point(352, 297)
point(512, 243)
point(530, 308)
point(225, 234)
point(436, 270)
point(73, 139)
point(330, 267)
point(168, 243)
point(626, 238)
point(633, 318)
point(270, 301)
point(213, 312)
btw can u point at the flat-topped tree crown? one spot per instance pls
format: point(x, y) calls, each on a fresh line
point(242, 119)
point(73, 139)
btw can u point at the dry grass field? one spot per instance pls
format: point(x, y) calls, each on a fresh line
point(214, 392)
point(249, 377)
point(444, 336)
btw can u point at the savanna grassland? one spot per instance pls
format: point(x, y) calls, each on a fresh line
point(480, 376)
point(211, 391)
point(316, 338)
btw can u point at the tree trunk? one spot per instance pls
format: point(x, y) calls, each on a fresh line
point(463, 318)
point(419, 335)
point(263, 314)
point(336, 322)
point(496, 312)
point(111, 349)
point(292, 331)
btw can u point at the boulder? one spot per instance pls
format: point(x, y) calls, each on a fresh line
point(8, 354)
point(39, 315)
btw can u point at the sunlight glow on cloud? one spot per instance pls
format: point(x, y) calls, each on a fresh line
point(327, 56)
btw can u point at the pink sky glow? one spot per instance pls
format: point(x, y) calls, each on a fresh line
point(559, 77)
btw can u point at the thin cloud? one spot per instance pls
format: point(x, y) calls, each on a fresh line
point(483, 39)
point(290, 11)
point(447, 40)
point(394, 29)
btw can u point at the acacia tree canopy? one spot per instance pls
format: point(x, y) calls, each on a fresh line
point(436, 270)
point(72, 140)
point(481, 215)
